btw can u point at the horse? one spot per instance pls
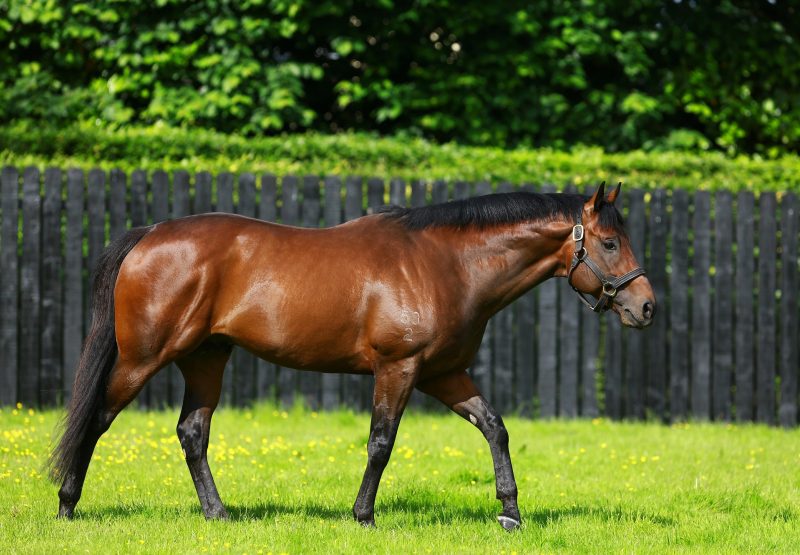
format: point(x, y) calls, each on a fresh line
point(409, 307)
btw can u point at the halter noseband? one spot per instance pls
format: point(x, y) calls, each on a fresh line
point(611, 284)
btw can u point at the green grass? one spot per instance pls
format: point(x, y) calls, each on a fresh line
point(289, 481)
point(153, 148)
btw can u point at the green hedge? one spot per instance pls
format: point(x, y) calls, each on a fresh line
point(620, 74)
point(367, 155)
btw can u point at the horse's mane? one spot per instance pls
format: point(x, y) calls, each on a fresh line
point(501, 208)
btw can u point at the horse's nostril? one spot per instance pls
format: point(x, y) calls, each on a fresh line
point(647, 310)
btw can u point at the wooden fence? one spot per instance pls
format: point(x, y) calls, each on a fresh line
point(724, 345)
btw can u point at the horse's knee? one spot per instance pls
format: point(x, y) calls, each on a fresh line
point(491, 425)
point(496, 430)
point(379, 453)
point(190, 432)
point(379, 450)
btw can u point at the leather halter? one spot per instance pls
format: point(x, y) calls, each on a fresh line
point(611, 283)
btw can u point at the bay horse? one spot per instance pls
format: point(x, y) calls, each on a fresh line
point(403, 294)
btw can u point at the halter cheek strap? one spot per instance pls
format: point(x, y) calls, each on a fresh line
point(611, 284)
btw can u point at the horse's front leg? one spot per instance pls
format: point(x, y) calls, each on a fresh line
point(393, 385)
point(458, 391)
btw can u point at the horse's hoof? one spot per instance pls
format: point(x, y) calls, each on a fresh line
point(508, 523)
point(367, 522)
point(65, 512)
point(218, 514)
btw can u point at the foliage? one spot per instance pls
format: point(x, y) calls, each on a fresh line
point(367, 155)
point(289, 481)
point(618, 74)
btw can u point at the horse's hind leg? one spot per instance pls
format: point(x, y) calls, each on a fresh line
point(202, 371)
point(124, 383)
point(458, 392)
point(393, 385)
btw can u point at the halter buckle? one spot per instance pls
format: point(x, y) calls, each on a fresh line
point(577, 232)
point(609, 290)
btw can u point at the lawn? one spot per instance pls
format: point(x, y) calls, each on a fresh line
point(289, 481)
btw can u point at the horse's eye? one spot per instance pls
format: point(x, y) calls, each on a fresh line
point(609, 245)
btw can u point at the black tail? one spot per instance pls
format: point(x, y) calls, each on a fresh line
point(98, 355)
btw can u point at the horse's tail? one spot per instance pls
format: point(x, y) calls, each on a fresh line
point(98, 355)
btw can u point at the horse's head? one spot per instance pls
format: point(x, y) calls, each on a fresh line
point(603, 265)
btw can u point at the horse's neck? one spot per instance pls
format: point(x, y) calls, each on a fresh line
point(503, 262)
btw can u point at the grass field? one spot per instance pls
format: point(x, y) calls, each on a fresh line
point(289, 481)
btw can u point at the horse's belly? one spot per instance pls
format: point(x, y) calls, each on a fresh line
point(299, 339)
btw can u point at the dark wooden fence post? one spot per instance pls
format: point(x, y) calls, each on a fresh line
point(375, 192)
point(789, 364)
point(658, 345)
point(51, 370)
point(9, 287)
point(96, 208)
point(461, 190)
point(765, 347)
point(613, 367)
point(635, 341)
point(202, 193)
point(439, 192)
point(745, 331)
point(419, 193)
point(30, 288)
point(723, 306)
point(397, 192)
point(73, 279)
point(701, 308)
point(117, 204)
point(679, 307)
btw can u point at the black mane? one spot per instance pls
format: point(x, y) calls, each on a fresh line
point(501, 208)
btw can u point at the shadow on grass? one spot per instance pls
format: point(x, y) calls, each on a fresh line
point(422, 511)
point(544, 517)
point(124, 511)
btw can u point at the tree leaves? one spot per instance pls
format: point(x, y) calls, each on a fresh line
point(614, 73)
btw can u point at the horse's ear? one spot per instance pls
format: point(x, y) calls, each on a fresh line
point(613, 195)
point(597, 198)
